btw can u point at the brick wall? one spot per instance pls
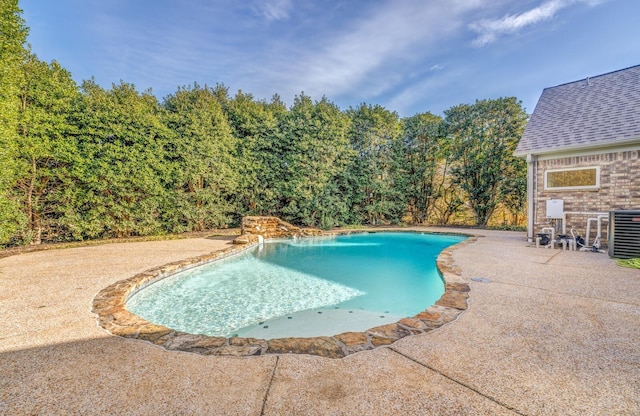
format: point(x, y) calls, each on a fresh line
point(619, 188)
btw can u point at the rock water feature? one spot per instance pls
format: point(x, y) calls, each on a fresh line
point(271, 227)
point(110, 306)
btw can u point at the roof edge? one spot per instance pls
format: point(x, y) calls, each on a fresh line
point(560, 150)
point(593, 77)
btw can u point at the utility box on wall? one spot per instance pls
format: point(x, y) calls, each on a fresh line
point(555, 208)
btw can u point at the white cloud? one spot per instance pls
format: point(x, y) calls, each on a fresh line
point(490, 30)
point(436, 67)
point(274, 9)
point(370, 48)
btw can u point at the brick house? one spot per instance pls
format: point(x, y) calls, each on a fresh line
point(582, 146)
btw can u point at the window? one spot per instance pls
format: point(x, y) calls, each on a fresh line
point(572, 178)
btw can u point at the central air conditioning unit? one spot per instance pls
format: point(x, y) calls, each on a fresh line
point(624, 234)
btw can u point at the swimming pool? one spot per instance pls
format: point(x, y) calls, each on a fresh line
point(303, 287)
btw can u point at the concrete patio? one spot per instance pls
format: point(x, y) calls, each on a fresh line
point(553, 333)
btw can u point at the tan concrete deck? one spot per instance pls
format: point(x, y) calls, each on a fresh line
point(554, 333)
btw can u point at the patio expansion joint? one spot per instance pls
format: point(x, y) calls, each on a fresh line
point(268, 392)
point(458, 382)
point(553, 257)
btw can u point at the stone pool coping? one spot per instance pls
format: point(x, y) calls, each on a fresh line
point(110, 307)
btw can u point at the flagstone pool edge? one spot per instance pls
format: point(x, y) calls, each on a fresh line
point(110, 307)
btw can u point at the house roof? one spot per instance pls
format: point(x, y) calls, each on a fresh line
point(594, 112)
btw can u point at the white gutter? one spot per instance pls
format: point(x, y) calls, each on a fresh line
point(531, 189)
point(589, 148)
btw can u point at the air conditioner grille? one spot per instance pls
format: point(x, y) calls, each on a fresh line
point(624, 235)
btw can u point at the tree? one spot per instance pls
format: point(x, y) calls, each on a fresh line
point(201, 152)
point(13, 35)
point(121, 184)
point(256, 127)
point(513, 193)
point(484, 136)
point(375, 136)
point(450, 202)
point(424, 156)
point(45, 148)
point(315, 157)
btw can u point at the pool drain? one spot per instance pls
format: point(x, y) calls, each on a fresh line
point(481, 279)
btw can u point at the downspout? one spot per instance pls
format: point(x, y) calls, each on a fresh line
point(532, 161)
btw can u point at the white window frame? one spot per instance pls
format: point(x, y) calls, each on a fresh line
point(573, 188)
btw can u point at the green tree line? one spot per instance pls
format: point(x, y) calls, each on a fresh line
point(84, 162)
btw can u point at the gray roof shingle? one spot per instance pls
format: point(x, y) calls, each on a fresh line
point(597, 111)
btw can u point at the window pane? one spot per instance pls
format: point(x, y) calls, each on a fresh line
point(567, 178)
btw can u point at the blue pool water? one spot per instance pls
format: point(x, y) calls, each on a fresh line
point(303, 287)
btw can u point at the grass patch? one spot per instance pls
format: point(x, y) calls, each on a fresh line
point(632, 263)
point(353, 227)
point(507, 227)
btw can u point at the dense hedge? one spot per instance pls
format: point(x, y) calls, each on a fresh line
point(84, 162)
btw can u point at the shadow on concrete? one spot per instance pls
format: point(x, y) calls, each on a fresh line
point(117, 376)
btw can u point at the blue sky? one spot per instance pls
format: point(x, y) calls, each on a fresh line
point(410, 56)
